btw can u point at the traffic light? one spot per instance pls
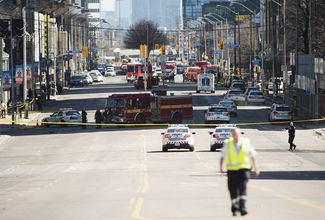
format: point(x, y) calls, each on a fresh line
point(221, 44)
point(85, 52)
point(163, 50)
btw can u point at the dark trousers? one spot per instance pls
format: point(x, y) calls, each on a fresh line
point(290, 141)
point(237, 185)
point(3, 113)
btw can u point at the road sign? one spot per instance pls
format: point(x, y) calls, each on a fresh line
point(235, 46)
point(73, 51)
point(218, 52)
point(256, 62)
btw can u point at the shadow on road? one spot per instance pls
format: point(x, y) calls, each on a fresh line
point(291, 175)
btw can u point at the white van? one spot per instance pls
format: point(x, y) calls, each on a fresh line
point(205, 82)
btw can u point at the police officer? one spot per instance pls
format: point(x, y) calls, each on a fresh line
point(239, 156)
point(292, 133)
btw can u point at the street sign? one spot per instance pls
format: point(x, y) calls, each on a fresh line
point(73, 51)
point(235, 46)
point(218, 52)
point(256, 62)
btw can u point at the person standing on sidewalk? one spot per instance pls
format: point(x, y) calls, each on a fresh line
point(239, 156)
point(292, 133)
point(3, 109)
point(98, 119)
point(84, 118)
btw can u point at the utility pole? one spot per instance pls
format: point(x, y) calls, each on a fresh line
point(13, 98)
point(24, 56)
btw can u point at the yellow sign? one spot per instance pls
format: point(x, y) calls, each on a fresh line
point(242, 17)
point(85, 52)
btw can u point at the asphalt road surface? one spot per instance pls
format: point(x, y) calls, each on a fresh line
point(119, 173)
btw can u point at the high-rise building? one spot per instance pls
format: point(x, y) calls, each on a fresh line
point(166, 13)
point(192, 9)
point(94, 8)
point(123, 10)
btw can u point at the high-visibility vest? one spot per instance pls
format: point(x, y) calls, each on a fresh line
point(237, 161)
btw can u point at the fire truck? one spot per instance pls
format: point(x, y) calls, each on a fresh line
point(133, 69)
point(143, 107)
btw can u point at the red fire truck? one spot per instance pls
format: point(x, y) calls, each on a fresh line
point(133, 69)
point(202, 64)
point(143, 107)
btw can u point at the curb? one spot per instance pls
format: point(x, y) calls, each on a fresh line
point(319, 133)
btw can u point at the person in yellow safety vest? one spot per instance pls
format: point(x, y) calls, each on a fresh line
point(239, 156)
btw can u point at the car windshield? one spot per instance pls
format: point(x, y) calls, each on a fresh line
point(115, 103)
point(256, 93)
point(283, 109)
point(177, 130)
point(225, 103)
point(235, 92)
point(217, 110)
point(223, 130)
point(77, 77)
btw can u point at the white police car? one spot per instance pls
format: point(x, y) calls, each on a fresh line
point(61, 117)
point(219, 135)
point(217, 113)
point(177, 137)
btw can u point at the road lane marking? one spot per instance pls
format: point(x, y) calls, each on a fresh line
point(302, 202)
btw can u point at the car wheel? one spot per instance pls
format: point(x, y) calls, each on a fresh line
point(164, 149)
point(197, 91)
point(191, 149)
point(177, 118)
point(140, 119)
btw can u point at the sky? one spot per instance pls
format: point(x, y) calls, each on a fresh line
point(108, 5)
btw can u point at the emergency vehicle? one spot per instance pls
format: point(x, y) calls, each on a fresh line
point(142, 107)
point(177, 137)
point(192, 73)
point(216, 70)
point(134, 70)
point(202, 64)
point(219, 135)
point(205, 82)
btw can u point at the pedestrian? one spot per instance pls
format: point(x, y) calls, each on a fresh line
point(292, 133)
point(3, 109)
point(106, 116)
point(239, 156)
point(84, 118)
point(98, 118)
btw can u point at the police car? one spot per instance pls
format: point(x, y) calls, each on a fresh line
point(177, 137)
point(219, 135)
point(217, 113)
point(62, 116)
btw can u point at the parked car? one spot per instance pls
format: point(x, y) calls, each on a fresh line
point(279, 112)
point(178, 137)
point(217, 113)
point(61, 117)
point(110, 72)
point(96, 76)
point(255, 97)
point(88, 77)
point(78, 80)
point(230, 106)
point(235, 95)
point(219, 135)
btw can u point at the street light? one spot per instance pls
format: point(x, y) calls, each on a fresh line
point(200, 19)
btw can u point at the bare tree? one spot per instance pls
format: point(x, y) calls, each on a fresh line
point(298, 17)
point(144, 32)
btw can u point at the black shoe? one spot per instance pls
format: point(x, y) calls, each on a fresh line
point(294, 147)
point(243, 213)
point(234, 214)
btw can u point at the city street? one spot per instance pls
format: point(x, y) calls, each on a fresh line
point(121, 173)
